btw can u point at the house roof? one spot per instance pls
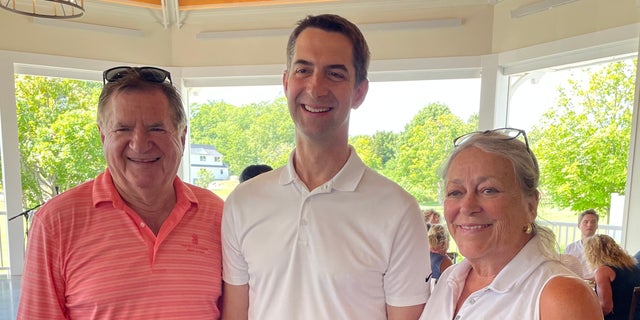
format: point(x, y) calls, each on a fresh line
point(204, 149)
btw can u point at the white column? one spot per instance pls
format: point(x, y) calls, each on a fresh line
point(11, 164)
point(184, 171)
point(631, 218)
point(493, 95)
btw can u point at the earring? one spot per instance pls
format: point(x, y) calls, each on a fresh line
point(528, 228)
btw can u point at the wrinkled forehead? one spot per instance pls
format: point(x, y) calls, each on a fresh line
point(149, 106)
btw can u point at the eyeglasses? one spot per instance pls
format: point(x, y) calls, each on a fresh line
point(507, 133)
point(151, 74)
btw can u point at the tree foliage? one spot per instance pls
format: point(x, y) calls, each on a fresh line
point(424, 146)
point(205, 178)
point(58, 137)
point(259, 133)
point(583, 142)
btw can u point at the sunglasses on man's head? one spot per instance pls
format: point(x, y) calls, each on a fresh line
point(151, 74)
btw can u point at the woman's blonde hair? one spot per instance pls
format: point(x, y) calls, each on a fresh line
point(602, 250)
point(438, 237)
point(429, 214)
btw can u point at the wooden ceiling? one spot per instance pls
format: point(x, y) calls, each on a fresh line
point(220, 15)
point(210, 4)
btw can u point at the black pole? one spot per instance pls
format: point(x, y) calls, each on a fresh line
point(26, 212)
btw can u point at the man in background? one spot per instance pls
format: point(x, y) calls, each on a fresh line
point(588, 224)
point(324, 237)
point(253, 170)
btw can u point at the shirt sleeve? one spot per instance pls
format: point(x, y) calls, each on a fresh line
point(409, 266)
point(43, 286)
point(235, 270)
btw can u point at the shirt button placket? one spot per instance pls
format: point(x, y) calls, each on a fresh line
point(303, 231)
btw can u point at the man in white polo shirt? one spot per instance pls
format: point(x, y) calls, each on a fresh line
point(324, 237)
point(588, 224)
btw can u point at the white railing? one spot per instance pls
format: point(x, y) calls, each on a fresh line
point(567, 232)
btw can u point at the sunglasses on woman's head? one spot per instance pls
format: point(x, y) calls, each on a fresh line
point(508, 133)
point(151, 74)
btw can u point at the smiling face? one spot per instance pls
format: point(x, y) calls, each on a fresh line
point(141, 144)
point(320, 84)
point(485, 207)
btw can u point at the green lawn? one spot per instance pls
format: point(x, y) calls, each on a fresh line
point(224, 187)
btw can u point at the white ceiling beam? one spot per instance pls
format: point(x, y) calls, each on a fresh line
point(416, 25)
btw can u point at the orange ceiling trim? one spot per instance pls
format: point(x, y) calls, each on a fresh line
point(210, 4)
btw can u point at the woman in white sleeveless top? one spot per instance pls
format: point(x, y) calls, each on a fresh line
point(510, 270)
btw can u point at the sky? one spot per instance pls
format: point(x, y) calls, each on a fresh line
point(389, 106)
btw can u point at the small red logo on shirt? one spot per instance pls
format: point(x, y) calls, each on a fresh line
point(194, 239)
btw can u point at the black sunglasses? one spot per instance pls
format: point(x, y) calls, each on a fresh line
point(508, 133)
point(151, 74)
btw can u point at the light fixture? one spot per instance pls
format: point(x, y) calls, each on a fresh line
point(537, 7)
point(52, 9)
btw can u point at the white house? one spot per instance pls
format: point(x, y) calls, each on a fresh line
point(208, 158)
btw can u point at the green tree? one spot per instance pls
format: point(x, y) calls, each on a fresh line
point(205, 178)
point(582, 143)
point(250, 134)
point(377, 151)
point(365, 148)
point(58, 137)
point(424, 146)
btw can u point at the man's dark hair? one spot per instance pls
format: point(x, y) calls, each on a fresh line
point(586, 212)
point(253, 170)
point(335, 23)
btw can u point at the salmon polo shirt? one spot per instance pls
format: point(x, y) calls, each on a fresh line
point(90, 256)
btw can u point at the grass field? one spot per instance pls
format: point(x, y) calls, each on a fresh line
point(223, 187)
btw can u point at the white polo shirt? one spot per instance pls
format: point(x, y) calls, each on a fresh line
point(340, 251)
point(577, 250)
point(513, 294)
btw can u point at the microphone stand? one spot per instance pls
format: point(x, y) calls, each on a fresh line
point(26, 212)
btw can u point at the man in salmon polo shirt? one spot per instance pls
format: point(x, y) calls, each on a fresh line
point(136, 242)
point(324, 237)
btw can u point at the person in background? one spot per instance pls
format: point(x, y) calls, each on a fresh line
point(588, 224)
point(616, 274)
point(510, 268)
point(324, 237)
point(431, 217)
point(572, 263)
point(438, 246)
point(136, 242)
point(253, 170)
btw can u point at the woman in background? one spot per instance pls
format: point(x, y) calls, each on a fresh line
point(431, 217)
point(438, 246)
point(616, 274)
